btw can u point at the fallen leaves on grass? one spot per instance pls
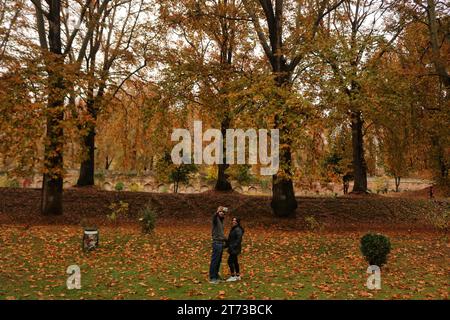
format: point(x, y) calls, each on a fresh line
point(173, 264)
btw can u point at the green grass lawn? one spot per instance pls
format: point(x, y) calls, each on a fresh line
point(173, 264)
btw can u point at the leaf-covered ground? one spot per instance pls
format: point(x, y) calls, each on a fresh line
point(350, 213)
point(173, 264)
point(312, 256)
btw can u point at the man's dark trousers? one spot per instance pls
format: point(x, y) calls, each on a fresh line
point(216, 259)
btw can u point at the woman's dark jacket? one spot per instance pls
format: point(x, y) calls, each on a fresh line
point(234, 242)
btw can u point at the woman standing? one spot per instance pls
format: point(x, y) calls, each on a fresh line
point(234, 244)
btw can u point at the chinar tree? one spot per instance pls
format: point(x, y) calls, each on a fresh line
point(287, 31)
point(54, 51)
point(354, 40)
point(212, 53)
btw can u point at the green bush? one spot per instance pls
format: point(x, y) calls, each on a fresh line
point(3, 181)
point(241, 173)
point(381, 185)
point(118, 209)
point(265, 184)
point(119, 186)
point(312, 223)
point(181, 174)
point(134, 187)
point(167, 171)
point(99, 176)
point(13, 183)
point(147, 217)
point(375, 248)
point(211, 173)
point(7, 182)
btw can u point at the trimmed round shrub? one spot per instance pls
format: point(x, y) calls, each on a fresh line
point(375, 248)
point(119, 186)
point(134, 187)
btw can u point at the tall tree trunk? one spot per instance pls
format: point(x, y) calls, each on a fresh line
point(52, 190)
point(87, 167)
point(222, 183)
point(226, 59)
point(283, 201)
point(359, 163)
point(441, 68)
point(397, 183)
point(108, 162)
point(52, 185)
point(438, 61)
point(441, 161)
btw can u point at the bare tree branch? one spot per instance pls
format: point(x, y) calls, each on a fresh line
point(41, 23)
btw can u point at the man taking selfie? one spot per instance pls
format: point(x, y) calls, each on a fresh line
point(218, 243)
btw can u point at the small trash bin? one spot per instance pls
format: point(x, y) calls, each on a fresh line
point(90, 239)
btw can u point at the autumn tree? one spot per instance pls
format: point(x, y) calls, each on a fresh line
point(174, 173)
point(431, 23)
point(134, 128)
point(14, 94)
point(432, 106)
point(49, 27)
point(212, 54)
point(393, 119)
point(352, 46)
point(118, 50)
point(435, 16)
point(287, 34)
point(9, 20)
point(54, 21)
point(337, 161)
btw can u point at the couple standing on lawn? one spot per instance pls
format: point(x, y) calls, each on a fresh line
point(233, 243)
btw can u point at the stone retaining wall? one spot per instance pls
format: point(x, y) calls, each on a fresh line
point(148, 183)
